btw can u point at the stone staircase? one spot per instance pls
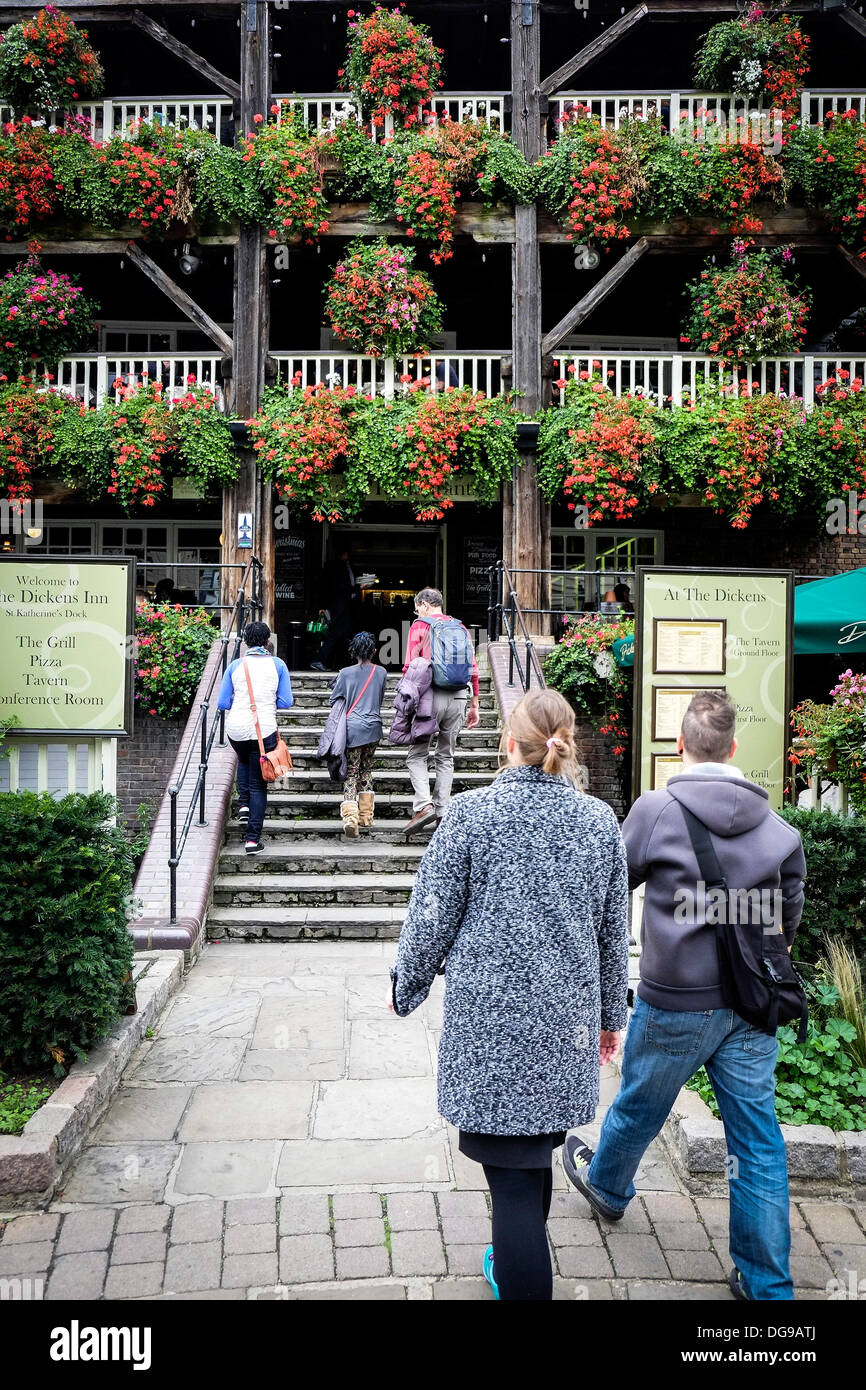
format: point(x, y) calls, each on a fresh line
point(310, 882)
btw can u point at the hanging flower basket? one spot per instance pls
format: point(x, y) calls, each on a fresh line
point(379, 303)
point(42, 315)
point(46, 63)
point(392, 67)
point(746, 310)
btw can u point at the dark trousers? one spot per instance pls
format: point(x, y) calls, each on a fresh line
point(520, 1198)
point(252, 787)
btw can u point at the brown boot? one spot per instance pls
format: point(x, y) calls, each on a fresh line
point(349, 812)
point(420, 819)
point(365, 809)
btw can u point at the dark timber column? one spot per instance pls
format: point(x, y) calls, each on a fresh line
point(251, 315)
point(526, 127)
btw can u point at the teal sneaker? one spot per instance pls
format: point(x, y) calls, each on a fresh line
point(487, 1270)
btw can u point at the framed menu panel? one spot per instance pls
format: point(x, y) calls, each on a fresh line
point(692, 625)
point(690, 645)
point(670, 703)
point(664, 766)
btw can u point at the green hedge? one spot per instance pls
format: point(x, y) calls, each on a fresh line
point(835, 849)
point(65, 881)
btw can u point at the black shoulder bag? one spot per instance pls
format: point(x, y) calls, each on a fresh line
point(759, 981)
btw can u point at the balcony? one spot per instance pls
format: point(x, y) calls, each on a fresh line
point(668, 378)
point(327, 109)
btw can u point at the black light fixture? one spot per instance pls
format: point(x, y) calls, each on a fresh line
point(189, 259)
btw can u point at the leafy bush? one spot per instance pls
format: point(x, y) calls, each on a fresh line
point(173, 645)
point(43, 315)
point(835, 849)
point(65, 877)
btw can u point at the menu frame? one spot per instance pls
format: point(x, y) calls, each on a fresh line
point(690, 690)
point(717, 624)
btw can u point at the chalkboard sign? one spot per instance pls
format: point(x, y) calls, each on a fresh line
point(479, 553)
point(289, 566)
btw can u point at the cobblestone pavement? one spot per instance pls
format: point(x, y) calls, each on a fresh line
point(278, 1138)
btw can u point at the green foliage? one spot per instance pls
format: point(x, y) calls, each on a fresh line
point(172, 648)
point(379, 303)
point(817, 1083)
point(835, 850)
point(18, 1101)
point(65, 875)
point(43, 315)
point(47, 63)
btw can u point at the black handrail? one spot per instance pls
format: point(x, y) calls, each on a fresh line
point(506, 613)
point(244, 610)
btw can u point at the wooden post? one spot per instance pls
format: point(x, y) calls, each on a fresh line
point(251, 319)
point(527, 550)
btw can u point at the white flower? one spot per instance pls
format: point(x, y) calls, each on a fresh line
point(603, 665)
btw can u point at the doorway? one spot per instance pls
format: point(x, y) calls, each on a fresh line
point(392, 562)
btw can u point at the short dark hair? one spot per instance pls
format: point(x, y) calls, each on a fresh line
point(708, 726)
point(432, 596)
point(362, 646)
point(256, 634)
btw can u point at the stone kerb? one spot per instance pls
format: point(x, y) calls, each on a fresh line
point(32, 1164)
point(821, 1161)
point(153, 930)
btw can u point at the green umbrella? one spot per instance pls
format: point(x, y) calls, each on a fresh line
point(830, 615)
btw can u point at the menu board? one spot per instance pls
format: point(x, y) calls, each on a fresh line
point(692, 625)
point(479, 554)
point(289, 568)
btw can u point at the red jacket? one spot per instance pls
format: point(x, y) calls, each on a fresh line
point(419, 645)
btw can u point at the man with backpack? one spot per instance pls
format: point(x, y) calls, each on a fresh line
point(724, 893)
point(444, 642)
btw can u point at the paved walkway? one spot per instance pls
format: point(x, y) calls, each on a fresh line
point(278, 1138)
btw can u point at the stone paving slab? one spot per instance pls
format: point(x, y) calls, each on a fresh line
point(226, 1170)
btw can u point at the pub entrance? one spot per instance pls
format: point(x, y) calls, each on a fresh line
point(392, 562)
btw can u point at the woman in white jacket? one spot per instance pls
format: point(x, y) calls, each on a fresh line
point(272, 690)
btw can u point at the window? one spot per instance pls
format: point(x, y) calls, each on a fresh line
point(614, 554)
point(201, 546)
point(58, 538)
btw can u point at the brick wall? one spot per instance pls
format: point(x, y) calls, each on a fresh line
point(145, 761)
point(594, 750)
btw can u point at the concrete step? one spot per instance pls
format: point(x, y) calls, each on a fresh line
point(313, 805)
point(389, 758)
point(390, 829)
point(312, 780)
point(392, 678)
point(307, 737)
point(312, 890)
point(333, 856)
point(318, 700)
point(261, 922)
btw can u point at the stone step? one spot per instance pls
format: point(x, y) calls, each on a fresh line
point(307, 737)
point(389, 757)
point(318, 699)
point(260, 922)
point(312, 805)
point(392, 678)
point(389, 829)
point(333, 856)
point(312, 780)
point(312, 890)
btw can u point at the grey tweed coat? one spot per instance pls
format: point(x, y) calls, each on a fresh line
point(523, 893)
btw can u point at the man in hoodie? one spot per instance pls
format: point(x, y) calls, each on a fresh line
point(680, 1021)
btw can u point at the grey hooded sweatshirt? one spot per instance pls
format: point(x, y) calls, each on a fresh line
point(756, 849)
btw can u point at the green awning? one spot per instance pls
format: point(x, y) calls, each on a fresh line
point(830, 615)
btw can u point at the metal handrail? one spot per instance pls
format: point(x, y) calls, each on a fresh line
point(244, 609)
point(509, 615)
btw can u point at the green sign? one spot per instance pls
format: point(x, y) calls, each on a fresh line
point(66, 630)
point(713, 629)
point(623, 651)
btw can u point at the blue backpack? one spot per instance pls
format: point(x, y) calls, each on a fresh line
point(451, 653)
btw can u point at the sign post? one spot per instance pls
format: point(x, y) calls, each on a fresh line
point(66, 634)
point(713, 630)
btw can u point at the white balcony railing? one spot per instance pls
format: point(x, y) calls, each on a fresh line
point(667, 378)
point(327, 109)
point(381, 376)
point(92, 376)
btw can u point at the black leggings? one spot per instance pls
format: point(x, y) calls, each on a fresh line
point(521, 1256)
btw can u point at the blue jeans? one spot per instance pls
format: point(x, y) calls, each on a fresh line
point(252, 787)
point(663, 1049)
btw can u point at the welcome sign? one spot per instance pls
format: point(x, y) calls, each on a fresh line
point(713, 630)
point(66, 634)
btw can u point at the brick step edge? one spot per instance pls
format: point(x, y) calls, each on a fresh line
point(821, 1161)
point(32, 1165)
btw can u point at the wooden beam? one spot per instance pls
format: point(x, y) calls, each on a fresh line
point(856, 21)
point(595, 296)
point(593, 50)
point(185, 53)
point(96, 245)
point(179, 297)
point(855, 262)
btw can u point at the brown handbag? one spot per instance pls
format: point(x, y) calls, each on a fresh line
point(278, 763)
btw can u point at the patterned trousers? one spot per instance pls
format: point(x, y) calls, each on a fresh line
point(359, 772)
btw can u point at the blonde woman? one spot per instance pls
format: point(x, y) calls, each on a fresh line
point(523, 894)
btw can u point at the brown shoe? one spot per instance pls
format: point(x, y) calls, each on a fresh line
point(420, 819)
